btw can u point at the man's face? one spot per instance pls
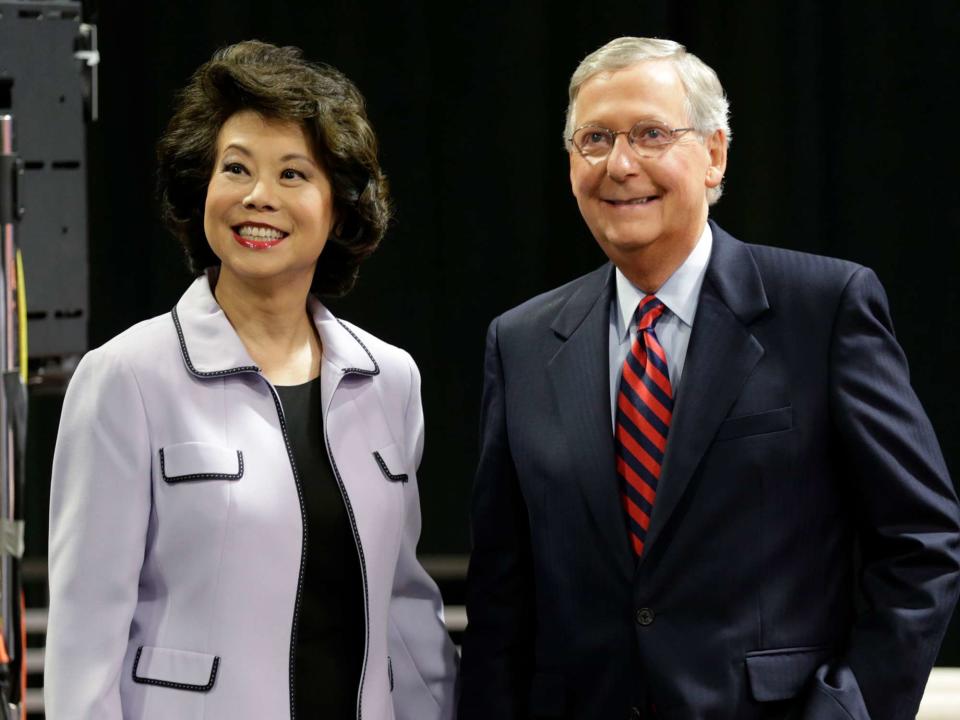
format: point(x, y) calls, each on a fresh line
point(648, 210)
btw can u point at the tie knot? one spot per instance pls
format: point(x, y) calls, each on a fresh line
point(648, 312)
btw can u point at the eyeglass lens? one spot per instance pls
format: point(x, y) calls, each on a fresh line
point(645, 137)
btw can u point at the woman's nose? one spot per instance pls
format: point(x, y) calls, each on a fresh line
point(262, 196)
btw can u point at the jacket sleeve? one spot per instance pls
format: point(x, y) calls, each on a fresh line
point(498, 644)
point(422, 657)
point(907, 519)
point(99, 512)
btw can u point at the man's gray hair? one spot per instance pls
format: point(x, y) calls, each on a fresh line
point(706, 104)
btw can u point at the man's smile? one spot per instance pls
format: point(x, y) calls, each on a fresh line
point(630, 202)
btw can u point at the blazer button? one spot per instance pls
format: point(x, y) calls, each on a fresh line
point(644, 616)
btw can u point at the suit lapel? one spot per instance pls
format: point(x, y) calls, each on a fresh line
point(580, 376)
point(721, 355)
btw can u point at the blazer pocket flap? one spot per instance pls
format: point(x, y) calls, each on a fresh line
point(761, 423)
point(390, 462)
point(782, 674)
point(179, 669)
point(200, 461)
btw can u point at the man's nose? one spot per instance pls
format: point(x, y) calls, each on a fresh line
point(623, 160)
point(262, 196)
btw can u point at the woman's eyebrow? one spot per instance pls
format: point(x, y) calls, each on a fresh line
point(240, 148)
point(285, 158)
point(297, 156)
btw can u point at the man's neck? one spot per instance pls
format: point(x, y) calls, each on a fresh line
point(649, 267)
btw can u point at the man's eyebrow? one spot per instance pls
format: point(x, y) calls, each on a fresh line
point(642, 119)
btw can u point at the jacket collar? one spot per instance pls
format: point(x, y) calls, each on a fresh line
point(731, 269)
point(735, 276)
point(722, 354)
point(596, 287)
point(212, 348)
point(579, 372)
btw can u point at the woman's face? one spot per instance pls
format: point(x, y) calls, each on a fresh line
point(269, 206)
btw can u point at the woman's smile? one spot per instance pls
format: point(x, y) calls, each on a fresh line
point(258, 236)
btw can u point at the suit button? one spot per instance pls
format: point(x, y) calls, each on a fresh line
point(644, 616)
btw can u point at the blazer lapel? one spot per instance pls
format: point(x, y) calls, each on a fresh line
point(721, 355)
point(209, 344)
point(343, 353)
point(580, 375)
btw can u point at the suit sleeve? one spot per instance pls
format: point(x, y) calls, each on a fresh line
point(498, 645)
point(907, 517)
point(423, 659)
point(99, 512)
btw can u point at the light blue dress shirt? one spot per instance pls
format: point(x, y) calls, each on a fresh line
point(680, 294)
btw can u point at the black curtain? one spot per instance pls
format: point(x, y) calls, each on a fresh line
point(843, 145)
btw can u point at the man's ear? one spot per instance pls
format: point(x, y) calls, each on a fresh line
point(716, 146)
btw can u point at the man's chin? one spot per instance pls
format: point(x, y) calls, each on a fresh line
point(626, 245)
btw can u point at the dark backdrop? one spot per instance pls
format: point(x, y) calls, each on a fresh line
point(843, 145)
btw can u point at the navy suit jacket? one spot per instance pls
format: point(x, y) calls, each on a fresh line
point(802, 557)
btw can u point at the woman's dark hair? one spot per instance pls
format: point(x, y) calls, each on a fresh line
point(279, 84)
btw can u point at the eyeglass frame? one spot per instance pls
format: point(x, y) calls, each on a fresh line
point(594, 160)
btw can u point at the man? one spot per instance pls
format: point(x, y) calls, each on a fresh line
point(706, 489)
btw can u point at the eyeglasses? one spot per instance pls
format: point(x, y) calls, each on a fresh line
point(648, 139)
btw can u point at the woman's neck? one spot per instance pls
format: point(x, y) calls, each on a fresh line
point(272, 322)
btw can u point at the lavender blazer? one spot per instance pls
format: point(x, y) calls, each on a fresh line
point(176, 528)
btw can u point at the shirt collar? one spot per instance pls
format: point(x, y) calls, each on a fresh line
point(679, 293)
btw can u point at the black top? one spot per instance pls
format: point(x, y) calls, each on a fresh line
point(330, 631)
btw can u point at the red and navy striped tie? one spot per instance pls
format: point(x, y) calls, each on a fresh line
point(644, 410)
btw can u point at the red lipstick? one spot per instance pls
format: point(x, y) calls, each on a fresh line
point(257, 243)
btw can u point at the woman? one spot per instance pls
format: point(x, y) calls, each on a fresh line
point(234, 509)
